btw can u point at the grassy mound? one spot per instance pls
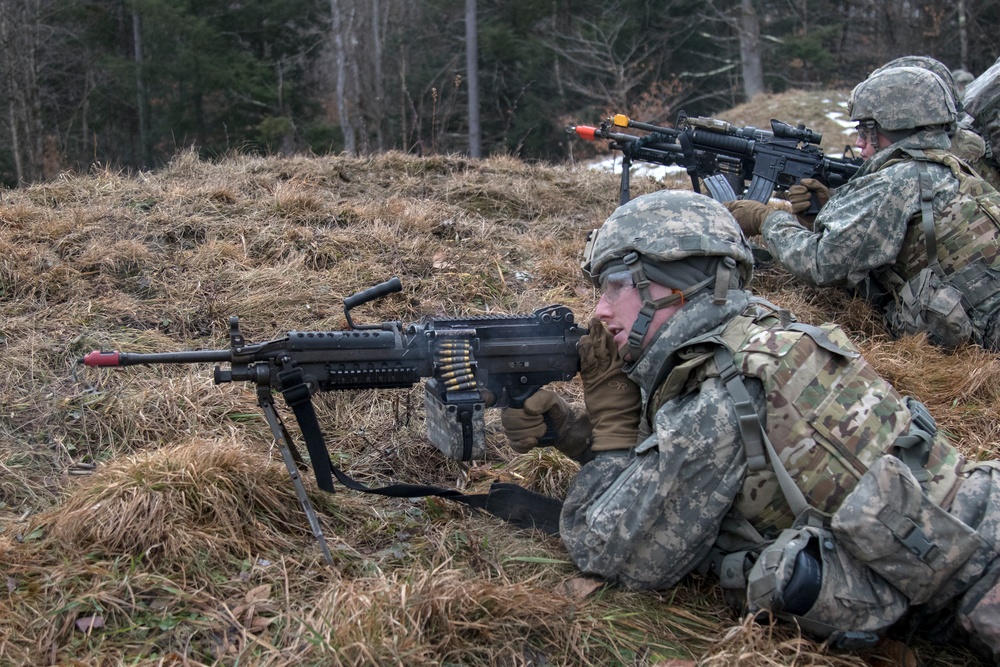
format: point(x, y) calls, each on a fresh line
point(146, 517)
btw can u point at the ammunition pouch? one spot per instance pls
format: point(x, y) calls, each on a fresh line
point(890, 525)
point(926, 303)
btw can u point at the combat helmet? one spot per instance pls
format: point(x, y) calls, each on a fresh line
point(903, 98)
point(679, 239)
point(932, 65)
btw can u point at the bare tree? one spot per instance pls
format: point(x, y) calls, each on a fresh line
point(340, 27)
point(142, 95)
point(472, 78)
point(743, 21)
point(609, 69)
point(748, 29)
point(20, 39)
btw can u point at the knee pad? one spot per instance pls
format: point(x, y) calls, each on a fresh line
point(805, 578)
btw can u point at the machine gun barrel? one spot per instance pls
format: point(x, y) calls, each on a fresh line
point(112, 358)
point(470, 363)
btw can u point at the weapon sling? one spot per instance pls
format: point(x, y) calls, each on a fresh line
point(510, 502)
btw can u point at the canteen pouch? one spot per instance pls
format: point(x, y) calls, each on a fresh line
point(807, 578)
point(928, 304)
point(890, 525)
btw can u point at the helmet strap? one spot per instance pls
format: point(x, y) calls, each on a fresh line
point(723, 274)
point(650, 306)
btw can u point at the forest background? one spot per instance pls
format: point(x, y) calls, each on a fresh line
point(130, 83)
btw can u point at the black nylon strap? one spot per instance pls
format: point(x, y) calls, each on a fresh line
point(296, 394)
point(513, 503)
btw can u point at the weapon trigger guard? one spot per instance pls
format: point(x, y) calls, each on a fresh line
point(517, 399)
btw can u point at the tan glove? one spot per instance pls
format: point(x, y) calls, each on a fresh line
point(800, 195)
point(613, 400)
point(546, 419)
point(749, 214)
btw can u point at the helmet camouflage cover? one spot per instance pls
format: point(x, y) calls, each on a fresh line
point(903, 98)
point(667, 226)
point(927, 63)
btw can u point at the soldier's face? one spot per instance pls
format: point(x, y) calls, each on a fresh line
point(870, 141)
point(619, 307)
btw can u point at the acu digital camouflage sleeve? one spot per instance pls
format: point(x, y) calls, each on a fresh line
point(860, 229)
point(646, 518)
point(977, 503)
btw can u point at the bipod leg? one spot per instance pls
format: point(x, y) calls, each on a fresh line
point(624, 190)
point(284, 441)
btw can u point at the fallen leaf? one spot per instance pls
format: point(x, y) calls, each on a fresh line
point(440, 261)
point(891, 653)
point(261, 622)
point(88, 623)
point(579, 588)
point(259, 594)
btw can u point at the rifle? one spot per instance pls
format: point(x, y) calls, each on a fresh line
point(726, 157)
point(470, 363)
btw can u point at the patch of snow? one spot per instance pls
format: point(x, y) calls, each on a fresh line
point(614, 165)
point(848, 125)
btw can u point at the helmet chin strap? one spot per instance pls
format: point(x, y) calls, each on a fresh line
point(650, 305)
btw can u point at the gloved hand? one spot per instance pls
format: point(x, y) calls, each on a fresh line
point(546, 419)
point(749, 214)
point(800, 195)
point(613, 400)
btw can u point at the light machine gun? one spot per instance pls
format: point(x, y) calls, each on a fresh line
point(470, 363)
point(732, 162)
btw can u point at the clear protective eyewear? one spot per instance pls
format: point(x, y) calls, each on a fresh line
point(867, 132)
point(614, 285)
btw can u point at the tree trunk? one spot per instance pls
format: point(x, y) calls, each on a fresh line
point(963, 37)
point(472, 78)
point(378, 83)
point(20, 22)
point(749, 32)
point(340, 53)
point(142, 98)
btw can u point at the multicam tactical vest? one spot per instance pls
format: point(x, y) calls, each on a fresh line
point(829, 415)
point(962, 248)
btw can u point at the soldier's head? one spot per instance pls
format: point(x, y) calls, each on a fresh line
point(962, 79)
point(897, 102)
point(657, 252)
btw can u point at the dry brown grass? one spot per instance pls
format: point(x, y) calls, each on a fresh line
point(146, 517)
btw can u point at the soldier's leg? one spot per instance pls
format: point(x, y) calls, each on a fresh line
point(978, 504)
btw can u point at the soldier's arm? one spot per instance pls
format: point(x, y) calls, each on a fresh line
point(647, 521)
point(860, 229)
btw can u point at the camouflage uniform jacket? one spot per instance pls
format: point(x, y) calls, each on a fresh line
point(971, 148)
point(863, 225)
